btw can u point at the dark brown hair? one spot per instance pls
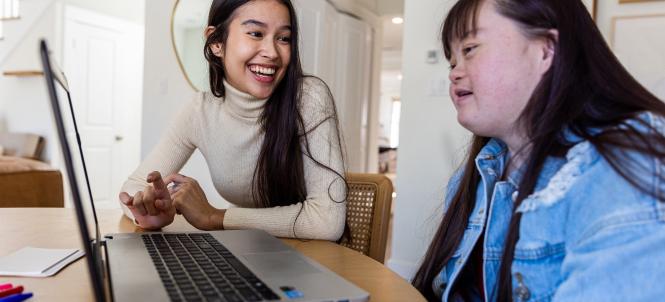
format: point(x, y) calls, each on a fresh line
point(586, 88)
point(279, 176)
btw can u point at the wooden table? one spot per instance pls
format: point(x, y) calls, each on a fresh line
point(57, 228)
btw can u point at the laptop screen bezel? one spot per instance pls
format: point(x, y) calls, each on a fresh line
point(92, 253)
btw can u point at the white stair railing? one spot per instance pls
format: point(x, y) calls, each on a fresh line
point(9, 9)
point(13, 30)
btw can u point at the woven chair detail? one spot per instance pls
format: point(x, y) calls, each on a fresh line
point(368, 214)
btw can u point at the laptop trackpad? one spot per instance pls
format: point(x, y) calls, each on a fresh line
point(280, 264)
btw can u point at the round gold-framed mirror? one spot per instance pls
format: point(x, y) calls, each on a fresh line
point(188, 22)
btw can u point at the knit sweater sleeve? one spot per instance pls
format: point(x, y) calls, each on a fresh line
point(322, 214)
point(171, 152)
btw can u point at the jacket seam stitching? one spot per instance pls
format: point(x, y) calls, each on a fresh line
point(616, 221)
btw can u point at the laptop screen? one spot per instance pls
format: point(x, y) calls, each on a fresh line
point(64, 117)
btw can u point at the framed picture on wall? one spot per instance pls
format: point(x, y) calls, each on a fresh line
point(591, 5)
point(647, 61)
point(635, 1)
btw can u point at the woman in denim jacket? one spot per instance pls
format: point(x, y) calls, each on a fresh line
point(562, 195)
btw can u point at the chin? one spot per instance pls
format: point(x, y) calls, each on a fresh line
point(262, 93)
point(464, 121)
point(262, 90)
point(471, 125)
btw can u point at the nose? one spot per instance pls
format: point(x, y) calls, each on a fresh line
point(457, 73)
point(269, 49)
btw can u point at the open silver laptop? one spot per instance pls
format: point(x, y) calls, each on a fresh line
point(237, 265)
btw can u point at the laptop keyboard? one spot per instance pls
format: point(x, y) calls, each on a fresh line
point(197, 267)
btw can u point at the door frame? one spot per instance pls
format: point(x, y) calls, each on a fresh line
point(127, 152)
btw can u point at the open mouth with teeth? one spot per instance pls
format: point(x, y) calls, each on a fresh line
point(463, 93)
point(263, 73)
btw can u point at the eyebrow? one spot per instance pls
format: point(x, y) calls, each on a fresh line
point(469, 33)
point(262, 24)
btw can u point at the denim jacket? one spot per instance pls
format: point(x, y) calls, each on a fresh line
point(586, 234)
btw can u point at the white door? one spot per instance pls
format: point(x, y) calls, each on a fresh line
point(352, 81)
point(103, 61)
point(337, 47)
point(317, 21)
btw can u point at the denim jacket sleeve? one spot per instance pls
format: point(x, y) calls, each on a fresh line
point(615, 235)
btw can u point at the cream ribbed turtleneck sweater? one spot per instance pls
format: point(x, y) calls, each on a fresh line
point(228, 134)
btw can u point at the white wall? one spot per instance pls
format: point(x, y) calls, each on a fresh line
point(431, 141)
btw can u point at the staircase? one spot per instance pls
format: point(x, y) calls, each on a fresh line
point(9, 10)
point(13, 29)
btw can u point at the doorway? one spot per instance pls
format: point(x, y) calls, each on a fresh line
point(103, 61)
point(390, 98)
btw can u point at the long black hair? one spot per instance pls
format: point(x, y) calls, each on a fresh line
point(279, 175)
point(586, 88)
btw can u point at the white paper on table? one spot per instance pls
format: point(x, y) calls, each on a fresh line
point(37, 262)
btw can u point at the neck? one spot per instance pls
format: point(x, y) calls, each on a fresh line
point(518, 150)
point(243, 104)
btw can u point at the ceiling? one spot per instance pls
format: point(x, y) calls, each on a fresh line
point(390, 7)
point(392, 33)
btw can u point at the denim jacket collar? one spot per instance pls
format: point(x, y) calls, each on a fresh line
point(495, 154)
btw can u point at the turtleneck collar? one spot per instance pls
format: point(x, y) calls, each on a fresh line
point(243, 104)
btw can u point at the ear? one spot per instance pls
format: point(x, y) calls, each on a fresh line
point(549, 50)
point(217, 48)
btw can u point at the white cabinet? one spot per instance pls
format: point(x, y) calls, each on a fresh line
point(337, 47)
point(352, 87)
point(317, 21)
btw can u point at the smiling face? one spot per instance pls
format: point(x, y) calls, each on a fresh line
point(494, 71)
point(257, 51)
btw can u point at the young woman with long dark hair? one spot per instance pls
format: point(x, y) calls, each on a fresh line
point(562, 195)
point(268, 133)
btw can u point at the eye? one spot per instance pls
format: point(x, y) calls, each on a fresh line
point(284, 39)
point(255, 34)
point(468, 49)
point(452, 66)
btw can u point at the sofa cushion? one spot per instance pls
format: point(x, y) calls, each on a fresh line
point(9, 164)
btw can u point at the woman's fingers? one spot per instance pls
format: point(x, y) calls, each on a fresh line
point(138, 204)
point(178, 180)
point(155, 178)
point(163, 204)
point(149, 198)
point(126, 199)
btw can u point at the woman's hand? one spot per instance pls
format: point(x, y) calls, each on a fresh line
point(152, 208)
point(191, 202)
